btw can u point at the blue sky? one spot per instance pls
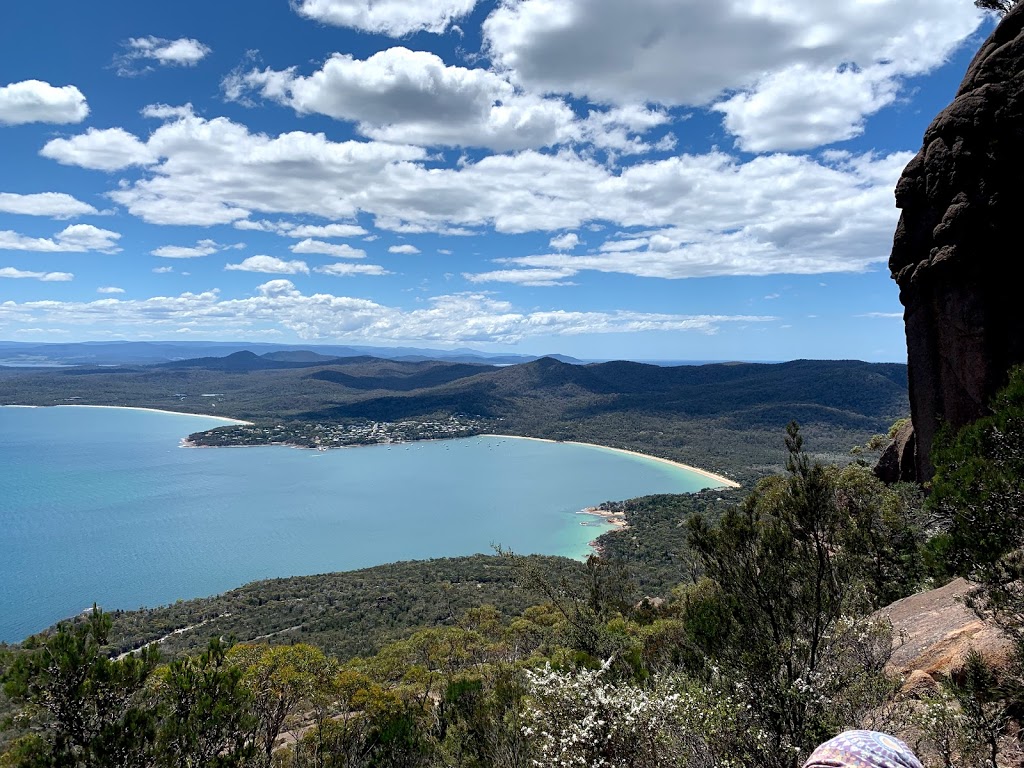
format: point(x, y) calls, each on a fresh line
point(673, 179)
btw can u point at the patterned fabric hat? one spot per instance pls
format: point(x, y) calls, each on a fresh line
point(863, 749)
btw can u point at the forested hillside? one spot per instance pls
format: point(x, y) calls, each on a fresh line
point(724, 417)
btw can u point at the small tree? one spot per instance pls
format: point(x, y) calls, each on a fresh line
point(789, 583)
point(91, 710)
point(205, 716)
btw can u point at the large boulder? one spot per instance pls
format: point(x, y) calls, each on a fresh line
point(957, 242)
point(898, 462)
point(935, 630)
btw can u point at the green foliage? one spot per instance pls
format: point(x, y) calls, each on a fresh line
point(790, 576)
point(978, 492)
point(91, 710)
point(277, 679)
point(205, 712)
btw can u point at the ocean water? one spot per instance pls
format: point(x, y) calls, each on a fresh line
point(104, 505)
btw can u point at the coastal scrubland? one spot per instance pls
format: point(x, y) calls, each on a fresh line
point(750, 639)
point(726, 627)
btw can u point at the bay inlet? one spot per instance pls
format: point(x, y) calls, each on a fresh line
point(103, 505)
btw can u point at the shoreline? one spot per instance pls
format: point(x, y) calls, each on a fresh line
point(135, 408)
point(725, 482)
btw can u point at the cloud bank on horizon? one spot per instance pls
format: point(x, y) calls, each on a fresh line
point(648, 179)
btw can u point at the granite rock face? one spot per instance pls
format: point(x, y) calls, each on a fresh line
point(958, 245)
point(897, 464)
point(934, 631)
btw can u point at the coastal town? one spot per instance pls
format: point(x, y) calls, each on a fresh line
point(321, 435)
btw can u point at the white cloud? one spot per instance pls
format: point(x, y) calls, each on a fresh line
point(396, 18)
point(35, 101)
point(201, 248)
point(343, 269)
point(408, 250)
point(217, 172)
point(531, 277)
point(621, 246)
point(270, 265)
point(565, 242)
point(110, 149)
point(279, 305)
point(291, 229)
point(77, 238)
point(691, 53)
point(46, 277)
point(57, 205)
point(769, 214)
point(183, 52)
point(413, 97)
point(109, 289)
point(162, 270)
point(884, 315)
point(774, 115)
point(339, 250)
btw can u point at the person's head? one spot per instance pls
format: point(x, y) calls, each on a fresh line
point(863, 749)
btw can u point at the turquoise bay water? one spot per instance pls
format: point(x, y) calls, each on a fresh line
point(103, 505)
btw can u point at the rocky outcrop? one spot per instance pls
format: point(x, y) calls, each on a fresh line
point(934, 631)
point(957, 246)
point(897, 464)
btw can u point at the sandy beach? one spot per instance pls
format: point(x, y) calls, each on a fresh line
point(226, 419)
point(726, 482)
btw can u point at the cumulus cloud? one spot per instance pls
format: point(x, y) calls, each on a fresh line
point(339, 250)
point(140, 51)
point(46, 277)
point(269, 265)
point(774, 115)
point(790, 212)
point(408, 250)
point(342, 269)
point(279, 305)
point(35, 101)
point(110, 149)
point(56, 205)
point(413, 97)
point(396, 18)
point(109, 289)
point(233, 173)
point(291, 229)
point(201, 248)
point(690, 52)
point(162, 270)
point(77, 238)
point(565, 242)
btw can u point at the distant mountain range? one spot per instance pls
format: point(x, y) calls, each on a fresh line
point(14, 353)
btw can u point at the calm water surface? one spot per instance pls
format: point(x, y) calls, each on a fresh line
point(103, 505)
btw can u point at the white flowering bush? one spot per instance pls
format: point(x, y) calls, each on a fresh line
point(579, 719)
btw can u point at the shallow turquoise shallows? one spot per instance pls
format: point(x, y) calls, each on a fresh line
point(103, 505)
